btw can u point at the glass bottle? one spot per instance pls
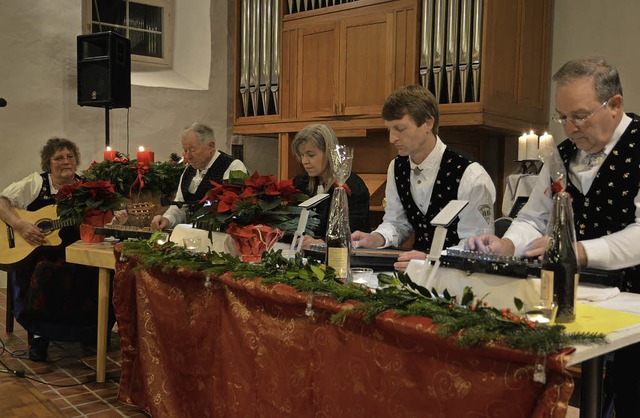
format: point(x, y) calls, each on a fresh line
point(338, 236)
point(559, 274)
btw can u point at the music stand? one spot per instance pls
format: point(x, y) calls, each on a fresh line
point(296, 242)
point(441, 221)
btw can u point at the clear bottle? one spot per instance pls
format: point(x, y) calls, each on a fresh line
point(338, 237)
point(559, 274)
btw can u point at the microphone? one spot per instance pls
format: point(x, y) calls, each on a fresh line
point(3, 102)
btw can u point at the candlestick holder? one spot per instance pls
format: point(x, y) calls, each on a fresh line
point(529, 166)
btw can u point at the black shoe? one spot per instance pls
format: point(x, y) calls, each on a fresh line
point(38, 349)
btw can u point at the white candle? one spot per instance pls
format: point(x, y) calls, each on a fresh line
point(546, 140)
point(532, 146)
point(522, 147)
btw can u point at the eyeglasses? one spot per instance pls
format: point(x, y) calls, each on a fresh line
point(562, 120)
point(61, 158)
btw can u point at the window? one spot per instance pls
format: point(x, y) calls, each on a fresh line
point(147, 23)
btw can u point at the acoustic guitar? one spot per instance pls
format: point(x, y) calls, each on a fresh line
point(13, 248)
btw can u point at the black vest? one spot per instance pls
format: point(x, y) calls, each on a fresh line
point(608, 206)
point(444, 190)
point(215, 173)
point(45, 197)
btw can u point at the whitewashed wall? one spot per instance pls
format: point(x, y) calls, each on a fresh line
point(38, 80)
point(591, 28)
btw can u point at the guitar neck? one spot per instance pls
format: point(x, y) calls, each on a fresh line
point(59, 224)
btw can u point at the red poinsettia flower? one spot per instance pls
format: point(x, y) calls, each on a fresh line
point(247, 193)
point(67, 191)
point(251, 200)
point(227, 201)
point(82, 197)
point(99, 185)
point(259, 182)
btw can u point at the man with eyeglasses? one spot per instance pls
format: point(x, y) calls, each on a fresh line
point(602, 158)
point(206, 163)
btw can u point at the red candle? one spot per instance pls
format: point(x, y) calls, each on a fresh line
point(144, 156)
point(109, 154)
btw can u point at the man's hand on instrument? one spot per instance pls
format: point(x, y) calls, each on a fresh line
point(489, 243)
point(120, 217)
point(30, 233)
point(159, 222)
point(536, 248)
point(406, 257)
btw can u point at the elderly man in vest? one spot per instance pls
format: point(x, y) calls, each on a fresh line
point(602, 158)
point(206, 163)
point(424, 177)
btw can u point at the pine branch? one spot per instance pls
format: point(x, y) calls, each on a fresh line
point(471, 321)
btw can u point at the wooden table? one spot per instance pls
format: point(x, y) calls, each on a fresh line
point(97, 255)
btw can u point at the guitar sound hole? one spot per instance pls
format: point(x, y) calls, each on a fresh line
point(45, 226)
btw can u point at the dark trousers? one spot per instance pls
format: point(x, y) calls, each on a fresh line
point(626, 381)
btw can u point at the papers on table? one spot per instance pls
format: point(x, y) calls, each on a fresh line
point(219, 242)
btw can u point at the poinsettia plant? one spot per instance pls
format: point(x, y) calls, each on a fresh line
point(82, 198)
point(252, 200)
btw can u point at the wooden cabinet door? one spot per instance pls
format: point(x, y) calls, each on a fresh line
point(366, 63)
point(317, 71)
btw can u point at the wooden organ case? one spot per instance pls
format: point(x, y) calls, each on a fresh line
point(335, 61)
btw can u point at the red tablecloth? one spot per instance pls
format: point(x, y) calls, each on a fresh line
point(242, 349)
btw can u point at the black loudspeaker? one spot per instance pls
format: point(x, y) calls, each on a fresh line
point(104, 70)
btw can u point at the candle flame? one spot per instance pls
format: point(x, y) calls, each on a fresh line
point(141, 148)
point(108, 148)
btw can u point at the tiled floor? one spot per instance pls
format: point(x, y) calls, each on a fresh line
point(68, 379)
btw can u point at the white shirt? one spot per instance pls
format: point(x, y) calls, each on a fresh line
point(21, 193)
point(177, 215)
point(475, 186)
point(614, 251)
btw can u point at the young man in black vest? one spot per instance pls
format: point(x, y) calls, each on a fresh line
point(205, 164)
point(424, 177)
point(602, 159)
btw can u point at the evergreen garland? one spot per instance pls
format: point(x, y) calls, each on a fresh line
point(472, 320)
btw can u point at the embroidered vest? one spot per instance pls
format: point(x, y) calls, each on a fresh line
point(608, 206)
point(444, 190)
point(215, 173)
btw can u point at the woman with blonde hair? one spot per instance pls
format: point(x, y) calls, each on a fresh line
point(312, 147)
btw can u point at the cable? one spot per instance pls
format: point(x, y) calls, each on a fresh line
point(19, 354)
point(128, 131)
point(15, 372)
point(95, 4)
